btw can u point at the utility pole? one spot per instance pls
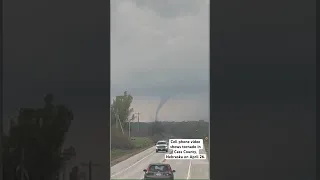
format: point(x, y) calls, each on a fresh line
point(129, 129)
point(120, 124)
point(89, 165)
point(138, 120)
point(129, 121)
point(116, 123)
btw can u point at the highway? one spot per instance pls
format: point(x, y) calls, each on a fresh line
point(132, 168)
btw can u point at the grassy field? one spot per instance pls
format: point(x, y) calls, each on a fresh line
point(139, 143)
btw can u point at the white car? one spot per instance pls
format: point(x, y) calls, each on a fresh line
point(162, 146)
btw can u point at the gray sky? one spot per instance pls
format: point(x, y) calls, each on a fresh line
point(161, 49)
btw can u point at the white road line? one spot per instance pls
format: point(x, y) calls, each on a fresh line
point(132, 165)
point(189, 170)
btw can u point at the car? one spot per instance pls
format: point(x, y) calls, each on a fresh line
point(159, 171)
point(162, 146)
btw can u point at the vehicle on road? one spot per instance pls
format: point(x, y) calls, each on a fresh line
point(159, 171)
point(162, 146)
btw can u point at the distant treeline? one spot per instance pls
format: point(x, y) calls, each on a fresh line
point(185, 129)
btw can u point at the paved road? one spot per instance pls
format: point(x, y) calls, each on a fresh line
point(132, 168)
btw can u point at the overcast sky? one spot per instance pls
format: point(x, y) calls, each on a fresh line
point(161, 49)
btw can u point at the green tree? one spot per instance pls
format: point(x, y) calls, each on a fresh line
point(35, 140)
point(121, 110)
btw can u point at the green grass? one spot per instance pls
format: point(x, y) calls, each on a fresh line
point(115, 153)
point(139, 143)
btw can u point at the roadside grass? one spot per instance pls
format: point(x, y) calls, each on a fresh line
point(115, 153)
point(206, 147)
point(140, 144)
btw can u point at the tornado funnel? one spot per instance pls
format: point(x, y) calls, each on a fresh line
point(163, 101)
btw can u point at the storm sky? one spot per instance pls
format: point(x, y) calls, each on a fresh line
point(160, 49)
